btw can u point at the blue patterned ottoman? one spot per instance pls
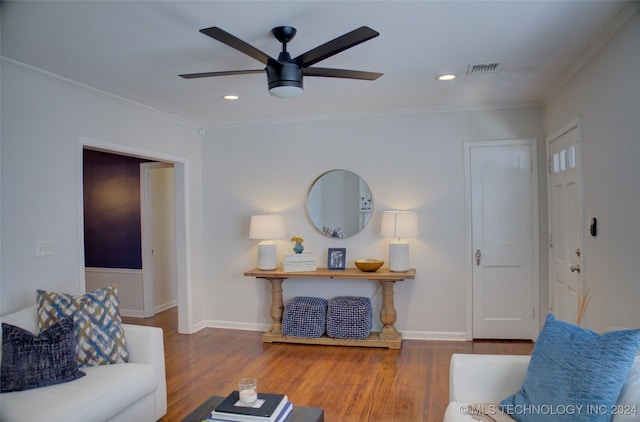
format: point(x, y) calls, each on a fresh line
point(305, 317)
point(349, 317)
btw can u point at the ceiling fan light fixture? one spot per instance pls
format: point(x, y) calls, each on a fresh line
point(285, 91)
point(285, 80)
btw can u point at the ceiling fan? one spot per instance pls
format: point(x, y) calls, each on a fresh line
point(285, 74)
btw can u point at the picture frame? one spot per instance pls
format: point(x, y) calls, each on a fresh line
point(336, 258)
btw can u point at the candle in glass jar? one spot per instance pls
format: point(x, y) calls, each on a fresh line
point(248, 388)
point(248, 396)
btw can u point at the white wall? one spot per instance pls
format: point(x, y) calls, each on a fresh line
point(410, 161)
point(606, 95)
point(42, 120)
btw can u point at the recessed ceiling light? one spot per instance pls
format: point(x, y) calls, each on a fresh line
point(446, 77)
point(231, 97)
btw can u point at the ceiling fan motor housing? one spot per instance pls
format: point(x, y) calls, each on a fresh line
point(286, 74)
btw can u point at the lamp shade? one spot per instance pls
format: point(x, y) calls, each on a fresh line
point(266, 227)
point(399, 224)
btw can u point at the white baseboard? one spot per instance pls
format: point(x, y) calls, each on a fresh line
point(131, 313)
point(165, 306)
point(139, 314)
point(434, 335)
point(231, 325)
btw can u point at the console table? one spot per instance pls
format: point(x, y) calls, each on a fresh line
point(388, 336)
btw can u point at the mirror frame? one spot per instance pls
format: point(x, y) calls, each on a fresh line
point(364, 208)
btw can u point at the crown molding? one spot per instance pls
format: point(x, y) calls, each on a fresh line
point(625, 15)
point(55, 77)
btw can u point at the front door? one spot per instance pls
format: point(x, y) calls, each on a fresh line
point(501, 176)
point(565, 217)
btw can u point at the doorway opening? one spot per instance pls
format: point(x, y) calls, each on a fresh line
point(137, 294)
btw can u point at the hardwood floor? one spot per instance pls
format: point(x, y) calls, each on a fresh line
point(349, 383)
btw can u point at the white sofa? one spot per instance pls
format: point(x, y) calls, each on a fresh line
point(477, 379)
point(129, 392)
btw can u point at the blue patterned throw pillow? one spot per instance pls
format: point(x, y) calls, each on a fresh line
point(30, 361)
point(96, 316)
point(574, 374)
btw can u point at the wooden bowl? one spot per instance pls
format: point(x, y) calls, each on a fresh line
point(368, 265)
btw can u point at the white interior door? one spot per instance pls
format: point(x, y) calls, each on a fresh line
point(502, 182)
point(158, 237)
point(565, 222)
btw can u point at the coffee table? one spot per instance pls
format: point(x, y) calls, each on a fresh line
point(299, 413)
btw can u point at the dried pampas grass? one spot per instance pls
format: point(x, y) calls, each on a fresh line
point(583, 303)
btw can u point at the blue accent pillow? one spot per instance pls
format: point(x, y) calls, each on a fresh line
point(574, 374)
point(30, 361)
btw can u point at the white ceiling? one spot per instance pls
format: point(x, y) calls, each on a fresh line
point(136, 49)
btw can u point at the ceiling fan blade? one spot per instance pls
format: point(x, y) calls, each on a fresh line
point(341, 73)
point(223, 73)
point(328, 49)
point(235, 42)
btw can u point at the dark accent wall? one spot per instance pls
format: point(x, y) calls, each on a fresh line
point(112, 210)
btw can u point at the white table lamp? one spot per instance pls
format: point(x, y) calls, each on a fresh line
point(399, 225)
point(267, 228)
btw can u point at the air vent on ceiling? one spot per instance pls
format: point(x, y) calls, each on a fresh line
point(483, 68)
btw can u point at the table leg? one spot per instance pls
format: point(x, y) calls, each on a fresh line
point(277, 306)
point(388, 313)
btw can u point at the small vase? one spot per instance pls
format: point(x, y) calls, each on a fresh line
point(298, 248)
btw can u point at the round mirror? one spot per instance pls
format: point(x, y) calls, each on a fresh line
point(339, 204)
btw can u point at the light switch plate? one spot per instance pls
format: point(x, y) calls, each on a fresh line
point(45, 247)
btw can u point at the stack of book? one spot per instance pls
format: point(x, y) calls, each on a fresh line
point(268, 408)
point(298, 262)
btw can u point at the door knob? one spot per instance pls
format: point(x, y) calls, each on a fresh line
point(575, 268)
point(478, 256)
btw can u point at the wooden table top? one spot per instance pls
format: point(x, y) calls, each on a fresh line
point(383, 274)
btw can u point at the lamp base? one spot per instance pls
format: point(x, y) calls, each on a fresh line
point(267, 255)
point(398, 256)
